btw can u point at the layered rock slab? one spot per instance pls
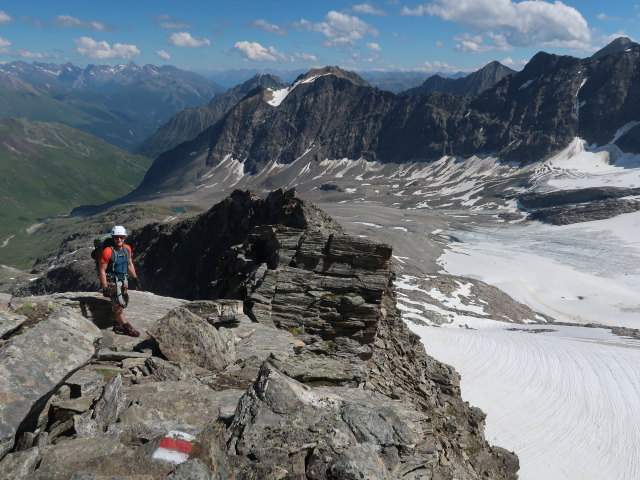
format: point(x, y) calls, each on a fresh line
point(33, 364)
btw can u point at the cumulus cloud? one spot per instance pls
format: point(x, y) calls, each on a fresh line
point(514, 64)
point(73, 22)
point(374, 47)
point(269, 27)
point(26, 53)
point(339, 28)
point(475, 43)
point(439, 67)
point(88, 47)
point(163, 54)
point(527, 23)
point(166, 21)
point(5, 18)
point(36, 22)
point(415, 12)
point(4, 45)
point(256, 52)
point(184, 39)
point(368, 9)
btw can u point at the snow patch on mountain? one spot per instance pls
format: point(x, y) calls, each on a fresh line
point(578, 167)
point(278, 96)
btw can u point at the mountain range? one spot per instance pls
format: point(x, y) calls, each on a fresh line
point(121, 104)
point(332, 114)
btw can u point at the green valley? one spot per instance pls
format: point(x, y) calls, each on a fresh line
point(46, 169)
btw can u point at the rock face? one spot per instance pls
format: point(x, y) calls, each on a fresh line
point(473, 84)
point(310, 373)
point(523, 118)
point(191, 122)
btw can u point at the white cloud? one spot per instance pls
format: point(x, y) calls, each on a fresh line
point(304, 56)
point(26, 53)
point(439, 67)
point(339, 28)
point(368, 9)
point(373, 46)
point(475, 43)
point(514, 64)
point(5, 18)
point(163, 54)
point(415, 12)
point(4, 45)
point(439, 44)
point(69, 21)
point(88, 47)
point(36, 22)
point(258, 53)
point(184, 39)
point(166, 21)
point(526, 23)
point(269, 27)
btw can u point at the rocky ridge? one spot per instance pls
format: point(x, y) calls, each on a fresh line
point(309, 371)
point(523, 118)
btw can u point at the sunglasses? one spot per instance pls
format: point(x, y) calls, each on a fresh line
point(119, 237)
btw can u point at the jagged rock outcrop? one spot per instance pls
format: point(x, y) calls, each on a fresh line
point(473, 84)
point(191, 122)
point(319, 377)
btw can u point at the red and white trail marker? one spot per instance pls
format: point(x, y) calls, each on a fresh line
point(175, 447)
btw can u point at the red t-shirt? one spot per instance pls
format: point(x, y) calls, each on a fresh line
point(108, 251)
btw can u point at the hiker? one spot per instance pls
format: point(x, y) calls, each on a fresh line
point(115, 266)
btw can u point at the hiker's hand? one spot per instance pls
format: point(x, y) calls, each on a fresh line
point(106, 292)
point(134, 284)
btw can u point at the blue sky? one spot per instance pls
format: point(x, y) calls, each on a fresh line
point(205, 35)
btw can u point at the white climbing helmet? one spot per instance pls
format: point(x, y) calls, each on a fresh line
point(118, 230)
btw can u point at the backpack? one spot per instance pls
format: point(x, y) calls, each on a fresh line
point(99, 244)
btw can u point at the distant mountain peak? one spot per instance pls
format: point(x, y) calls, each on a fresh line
point(617, 45)
point(471, 85)
point(332, 70)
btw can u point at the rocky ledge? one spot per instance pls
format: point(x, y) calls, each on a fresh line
point(564, 207)
point(298, 366)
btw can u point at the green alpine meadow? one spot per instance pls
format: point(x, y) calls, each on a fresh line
point(47, 169)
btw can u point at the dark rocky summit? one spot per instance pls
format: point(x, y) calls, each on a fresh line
point(472, 85)
point(332, 114)
point(291, 362)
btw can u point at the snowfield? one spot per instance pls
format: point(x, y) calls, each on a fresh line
point(580, 273)
point(566, 398)
point(565, 401)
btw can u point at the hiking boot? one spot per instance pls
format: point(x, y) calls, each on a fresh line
point(126, 329)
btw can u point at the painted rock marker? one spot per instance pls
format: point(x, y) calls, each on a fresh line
point(175, 447)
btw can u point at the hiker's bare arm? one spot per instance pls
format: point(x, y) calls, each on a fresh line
point(102, 273)
point(132, 270)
